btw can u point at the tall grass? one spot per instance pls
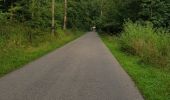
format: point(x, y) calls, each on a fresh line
point(151, 45)
point(153, 82)
point(20, 44)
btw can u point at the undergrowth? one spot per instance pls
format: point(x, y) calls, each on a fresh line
point(151, 45)
point(20, 44)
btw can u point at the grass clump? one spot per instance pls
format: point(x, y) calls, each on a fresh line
point(20, 44)
point(151, 45)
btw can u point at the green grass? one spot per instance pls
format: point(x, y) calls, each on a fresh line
point(150, 44)
point(16, 50)
point(153, 82)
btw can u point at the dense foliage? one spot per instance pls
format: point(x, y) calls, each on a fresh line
point(36, 13)
point(108, 15)
point(156, 11)
point(151, 45)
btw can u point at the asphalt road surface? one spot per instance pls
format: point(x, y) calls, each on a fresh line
point(81, 70)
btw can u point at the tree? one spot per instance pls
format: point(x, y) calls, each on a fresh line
point(65, 14)
point(156, 11)
point(53, 17)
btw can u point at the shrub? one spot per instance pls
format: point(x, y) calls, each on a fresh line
point(152, 45)
point(3, 17)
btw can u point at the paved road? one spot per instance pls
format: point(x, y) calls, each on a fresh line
point(81, 70)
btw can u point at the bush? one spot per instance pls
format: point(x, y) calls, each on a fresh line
point(152, 45)
point(3, 17)
point(18, 34)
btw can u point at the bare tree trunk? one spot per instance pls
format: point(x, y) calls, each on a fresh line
point(65, 15)
point(101, 12)
point(33, 6)
point(53, 18)
point(151, 9)
point(11, 12)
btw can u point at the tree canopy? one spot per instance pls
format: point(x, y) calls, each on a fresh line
point(107, 15)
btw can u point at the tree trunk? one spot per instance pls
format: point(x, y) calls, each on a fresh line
point(11, 12)
point(33, 6)
point(53, 18)
point(65, 15)
point(151, 9)
point(101, 12)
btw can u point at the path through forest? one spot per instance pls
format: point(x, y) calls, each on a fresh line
point(81, 70)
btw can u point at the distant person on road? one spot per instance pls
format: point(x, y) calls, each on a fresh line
point(93, 28)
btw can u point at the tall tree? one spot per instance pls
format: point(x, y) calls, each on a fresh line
point(11, 10)
point(65, 15)
point(53, 17)
point(33, 8)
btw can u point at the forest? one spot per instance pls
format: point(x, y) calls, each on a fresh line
point(107, 15)
point(139, 28)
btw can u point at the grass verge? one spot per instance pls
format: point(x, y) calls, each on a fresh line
point(14, 54)
point(153, 82)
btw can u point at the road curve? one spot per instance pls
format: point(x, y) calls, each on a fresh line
point(81, 70)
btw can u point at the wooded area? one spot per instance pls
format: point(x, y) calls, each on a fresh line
point(139, 28)
point(25, 20)
point(105, 14)
point(134, 21)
